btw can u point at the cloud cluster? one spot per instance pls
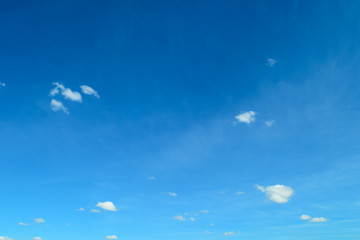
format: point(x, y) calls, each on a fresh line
point(108, 206)
point(277, 193)
point(270, 62)
point(246, 117)
point(314, 220)
point(68, 94)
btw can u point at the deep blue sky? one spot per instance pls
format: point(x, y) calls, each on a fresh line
point(162, 142)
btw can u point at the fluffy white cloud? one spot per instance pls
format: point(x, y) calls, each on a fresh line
point(23, 224)
point(318, 219)
point(305, 217)
point(39, 220)
point(5, 238)
point(229, 233)
point(269, 123)
point(66, 92)
point(172, 194)
point(37, 238)
point(181, 218)
point(108, 206)
point(89, 91)
point(111, 237)
point(2, 84)
point(95, 210)
point(80, 209)
point(58, 106)
point(270, 62)
point(277, 193)
point(246, 117)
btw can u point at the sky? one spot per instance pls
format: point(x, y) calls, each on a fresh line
point(171, 119)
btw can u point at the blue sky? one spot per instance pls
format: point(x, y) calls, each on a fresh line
point(179, 120)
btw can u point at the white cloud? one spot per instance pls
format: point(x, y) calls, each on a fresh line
point(271, 62)
point(229, 233)
point(5, 238)
point(318, 219)
point(172, 194)
point(305, 217)
point(151, 178)
point(239, 193)
point(246, 117)
point(269, 123)
point(58, 106)
point(180, 218)
point(89, 91)
point(205, 211)
point(95, 210)
point(80, 209)
point(37, 238)
point(108, 206)
point(111, 237)
point(192, 219)
point(277, 193)
point(66, 92)
point(2, 84)
point(39, 220)
point(23, 224)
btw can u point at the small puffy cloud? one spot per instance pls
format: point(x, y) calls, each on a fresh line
point(66, 92)
point(172, 194)
point(37, 238)
point(2, 84)
point(58, 106)
point(269, 123)
point(180, 218)
point(95, 210)
point(192, 219)
point(23, 224)
point(152, 178)
point(318, 219)
point(205, 211)
point(111, 237)
point(39, 220)
point(80, 209)
point(5, 238)
point(108, 206)
point(277, 193)
point(229, 233)
point(270, 62)
point(239, 193)
point(246, 117)
point(89, 91)
point(305, 217)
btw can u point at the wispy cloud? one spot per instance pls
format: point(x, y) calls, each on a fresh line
point(277, 193)
point(246, 117)
point(192, 219)
point(37, 238)
point(270, 62)
point(89, 91)
point(208, 232)
point(58, 106)
point(180, 218)
point(2, 84)
point(205, 211)
point(172, 194)
point(23, 224)
point(229, 233)
point(39, 220)
point(95, 210)
point(66, 92)
point(152, 178)
point(318, 219)
point(269, 123)
point(80, 209)
point(5, 238)
point(108, 206)
point(239, 193)
point(111, 237)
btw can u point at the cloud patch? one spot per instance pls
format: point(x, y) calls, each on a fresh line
point(277, 193)
point(172, 194)
point(37, 238)
point(313, 220)
point(39, 220)
point(246, 117)
point(270, 62)
point(89, 91)
point(2, 84)
point(58, 106)
point(180, 218)
point(66, 92)
point(23, 224)
point(269, 123)
point(108, 206)
point(229, 233)
point(111, 237)
point(5, 238)
point(305, 217)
